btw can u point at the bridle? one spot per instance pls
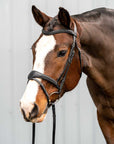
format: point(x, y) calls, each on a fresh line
point(33, 75)
point(59, 83)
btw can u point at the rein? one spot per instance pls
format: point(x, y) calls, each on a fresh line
point(34, 75)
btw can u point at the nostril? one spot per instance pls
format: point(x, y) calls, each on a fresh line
point(24, 115)
point(34, 112)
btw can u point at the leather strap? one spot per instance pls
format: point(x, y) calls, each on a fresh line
point(60, 31)
point(33, 133)
point(36, 74)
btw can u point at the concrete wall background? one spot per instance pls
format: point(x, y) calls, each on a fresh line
point(76, 113)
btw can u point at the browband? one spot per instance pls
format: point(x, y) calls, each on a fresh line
point(60, 31)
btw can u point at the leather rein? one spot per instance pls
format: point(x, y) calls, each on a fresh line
point(59, 83)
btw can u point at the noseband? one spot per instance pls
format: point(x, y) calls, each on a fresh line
point(59, 83)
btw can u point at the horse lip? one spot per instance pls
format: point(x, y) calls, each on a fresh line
point(39, 119)
point(36, 119)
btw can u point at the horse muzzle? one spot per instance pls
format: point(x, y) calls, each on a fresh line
point(29, 110)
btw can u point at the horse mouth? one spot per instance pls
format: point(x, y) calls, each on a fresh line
point(35, 119)
point(39, 119)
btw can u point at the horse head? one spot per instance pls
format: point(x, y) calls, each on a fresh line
point(50, 55)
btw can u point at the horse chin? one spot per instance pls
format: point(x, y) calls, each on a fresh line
point(39, 119)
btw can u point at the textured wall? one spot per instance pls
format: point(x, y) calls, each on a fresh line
point(76, 113)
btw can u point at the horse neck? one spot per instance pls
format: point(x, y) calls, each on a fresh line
point(97, 39)
point(97, 49)
point(94, 39)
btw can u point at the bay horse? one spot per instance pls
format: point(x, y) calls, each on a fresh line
point(94, 40)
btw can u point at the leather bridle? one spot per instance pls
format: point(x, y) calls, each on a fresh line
point(59, 83)
point(34, 75)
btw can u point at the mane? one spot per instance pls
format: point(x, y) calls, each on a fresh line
point(88, 16)
point(93, 15)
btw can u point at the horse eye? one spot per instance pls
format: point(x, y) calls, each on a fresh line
point(61, 53)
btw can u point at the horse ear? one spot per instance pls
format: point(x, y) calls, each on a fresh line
point(39, 16)
point(64, 17)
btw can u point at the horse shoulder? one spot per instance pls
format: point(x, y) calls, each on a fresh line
point(103, 101)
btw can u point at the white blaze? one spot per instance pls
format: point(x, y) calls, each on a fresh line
point(43, 47)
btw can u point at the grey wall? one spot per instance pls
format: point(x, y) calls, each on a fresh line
point(76, 113)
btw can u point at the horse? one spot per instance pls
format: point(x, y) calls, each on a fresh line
point(91, 36)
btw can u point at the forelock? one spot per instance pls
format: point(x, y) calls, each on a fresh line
point(52, 23)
